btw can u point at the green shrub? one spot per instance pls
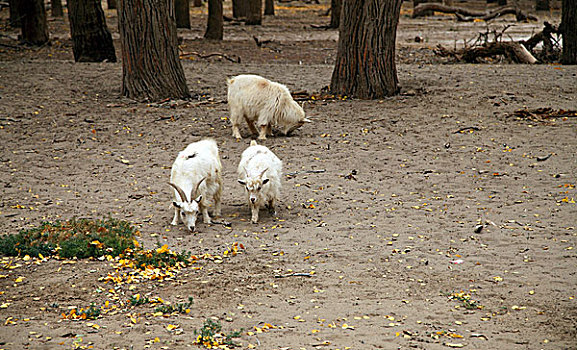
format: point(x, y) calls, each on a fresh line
point(80, 238)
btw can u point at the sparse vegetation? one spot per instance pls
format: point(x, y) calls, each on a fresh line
point(211, 336)
point(181, 308)
point(80, 238)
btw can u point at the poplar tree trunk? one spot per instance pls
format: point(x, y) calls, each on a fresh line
point(365, 65)
point(197, 3)
point(240, 8)
point(33, 21)
point(269, 7)
point(214, 27)
point(151, 67)
point(336, 6)
point(254, 15)
point(542, 5)
point(91, 39)
point(15, 17)
point(182, 13)
point(56, 6)
point(111, 4)
point(569, 31)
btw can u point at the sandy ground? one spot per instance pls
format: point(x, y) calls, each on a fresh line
point(387, 230)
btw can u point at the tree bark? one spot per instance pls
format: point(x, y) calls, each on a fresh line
point(502, 2)
point(569, 31)
point(33, 21)
point(269, 7)
point(56, 6)
point(254, 15)
point(365, 65)
point(111, 4)
point(151, 67)
point(15, 17)
point(542, 5)
point(182, 13)
point(197, 3)
point(214, 27)
point(91, 39)
point(336, 6)
point(239, 8)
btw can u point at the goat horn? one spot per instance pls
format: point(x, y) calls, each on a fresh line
point(195, 190)
point(180, 191)
point(264, 171)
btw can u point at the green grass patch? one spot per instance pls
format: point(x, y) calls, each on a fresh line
point(181, 308)
point(80, 238)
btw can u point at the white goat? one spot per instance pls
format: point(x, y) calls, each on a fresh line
point(260, 172)
point(264, 102)
point(197, 171)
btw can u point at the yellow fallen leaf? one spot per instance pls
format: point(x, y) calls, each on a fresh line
point(171, 327)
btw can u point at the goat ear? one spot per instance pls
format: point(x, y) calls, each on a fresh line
point(176, 205)
point(198, 199)
point(264, 181)
point(242, 182)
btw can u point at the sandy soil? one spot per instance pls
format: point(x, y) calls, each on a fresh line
point(388, 228)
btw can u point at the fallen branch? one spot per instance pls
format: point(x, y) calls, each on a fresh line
point(467, 15)
point(296, 274)
point(512, 50)
point(422, 9)
point(306, 172)
point(215, 54)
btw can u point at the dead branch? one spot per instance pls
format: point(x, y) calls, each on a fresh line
point(519, 15)
point(296, 274)
point(306, 172)
point(215, 54)
point(468, 128)
point(421, 10)
point(260, 42)
point(467, 15)
point(512, 50)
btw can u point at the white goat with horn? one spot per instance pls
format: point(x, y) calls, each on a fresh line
point(260, 171)
point(262, 103)
point(197, 171)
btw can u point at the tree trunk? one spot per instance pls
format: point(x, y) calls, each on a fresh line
point(542, 5)
point(56, 6)
point(269, 7)
point(214, 27)
point(239, 8)
point(33, 21)
point(15, 17)
point(91, 40)
point(502, 2)
point(336, 6)
point(182, 13)
point(569, 31)
point(254, 15)
point(151, 67)
point(197, 3)
point(365, 65)
point(111, 4)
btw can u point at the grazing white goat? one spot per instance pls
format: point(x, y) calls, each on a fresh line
point(264, 102)
point(196, 172)
point(260, 172)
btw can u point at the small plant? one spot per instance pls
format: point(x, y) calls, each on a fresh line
point(80, 238)
point(181, 308)
point(136, 300)
point(211, 336)
point(466, 300)
point(90, 313)
point(161, 257)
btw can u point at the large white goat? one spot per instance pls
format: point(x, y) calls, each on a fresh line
point(196, 172)
point(260, 171)
point(264, 103)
